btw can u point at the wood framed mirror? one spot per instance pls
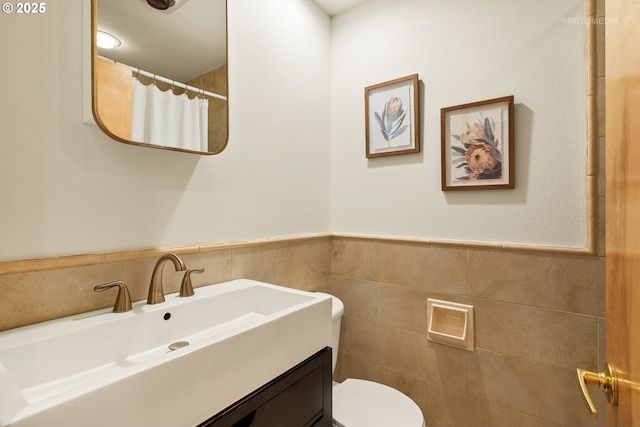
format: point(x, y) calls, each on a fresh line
point(165, 83)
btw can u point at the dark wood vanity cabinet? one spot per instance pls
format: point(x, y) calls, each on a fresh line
point(301, 397)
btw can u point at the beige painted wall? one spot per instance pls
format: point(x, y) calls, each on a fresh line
point(463, 51)
point(81, 192)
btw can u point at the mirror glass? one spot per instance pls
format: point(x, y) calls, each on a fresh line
point(164, 84)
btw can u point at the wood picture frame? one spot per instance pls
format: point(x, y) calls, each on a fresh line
point(477, 147)
point(392, 121)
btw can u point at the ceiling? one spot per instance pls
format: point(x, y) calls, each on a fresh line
point(334, 7)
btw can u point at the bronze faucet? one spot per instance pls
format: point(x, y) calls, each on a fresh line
point(123, 300)
point(156, 292)
point(186, 288)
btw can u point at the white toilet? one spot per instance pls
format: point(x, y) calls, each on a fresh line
point(361, 403)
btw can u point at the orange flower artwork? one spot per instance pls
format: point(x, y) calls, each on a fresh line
point(479, 154)
point(477, 145)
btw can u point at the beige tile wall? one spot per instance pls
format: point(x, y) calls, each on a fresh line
point(36, 294)
point(538, 317)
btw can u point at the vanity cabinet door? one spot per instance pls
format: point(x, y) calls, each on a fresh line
point(301, 397)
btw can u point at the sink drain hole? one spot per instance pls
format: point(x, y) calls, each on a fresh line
point(177, 345)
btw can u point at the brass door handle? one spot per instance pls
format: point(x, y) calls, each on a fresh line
point(607, 381)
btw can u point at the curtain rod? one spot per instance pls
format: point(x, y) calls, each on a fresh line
point(169, 81)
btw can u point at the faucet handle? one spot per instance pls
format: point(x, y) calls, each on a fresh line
point(123, 300)
point(186, 288)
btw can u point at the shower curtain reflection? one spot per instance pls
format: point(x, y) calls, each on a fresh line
point(168, 119)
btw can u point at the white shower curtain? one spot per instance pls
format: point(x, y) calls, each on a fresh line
point(162, 118)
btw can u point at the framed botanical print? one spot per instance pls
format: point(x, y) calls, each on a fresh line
point(477, 145)
point(391, 117)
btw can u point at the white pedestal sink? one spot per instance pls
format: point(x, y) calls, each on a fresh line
point(107, 369)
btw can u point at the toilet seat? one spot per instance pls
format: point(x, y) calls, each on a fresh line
point(361, 403)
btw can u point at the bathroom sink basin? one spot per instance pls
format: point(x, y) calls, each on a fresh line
point(174, 363)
